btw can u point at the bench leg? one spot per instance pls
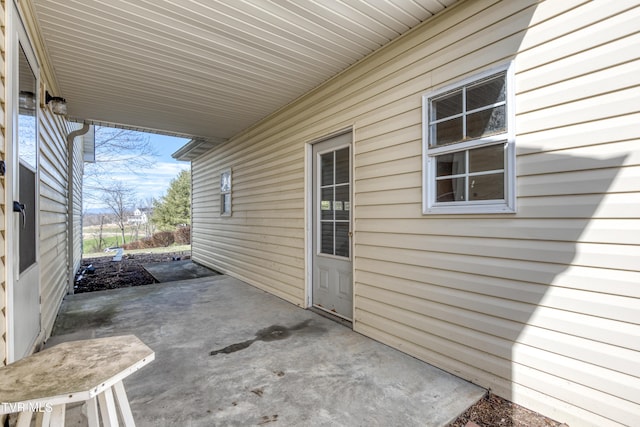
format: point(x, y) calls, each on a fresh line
point(108, 409)
point(44, 418)
point(123, 403)
point(57, 416)
point(24, 419)
point(92, 412)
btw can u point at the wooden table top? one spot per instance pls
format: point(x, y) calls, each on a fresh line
point(72, 371)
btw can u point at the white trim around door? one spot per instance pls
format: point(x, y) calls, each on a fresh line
point(328, 237)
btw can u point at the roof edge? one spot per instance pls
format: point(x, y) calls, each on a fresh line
point(196, 147)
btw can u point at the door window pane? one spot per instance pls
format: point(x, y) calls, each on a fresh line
point(342, 239)
point(27, 238)
point(326, 238)
point(27, 113)
point(326, 169)
point(27, 153)
point(326, 204)
point(342, 204)
point(342, 166)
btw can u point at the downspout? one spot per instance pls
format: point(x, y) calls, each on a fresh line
point(70, 139)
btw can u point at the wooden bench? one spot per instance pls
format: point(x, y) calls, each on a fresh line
point(88, 371)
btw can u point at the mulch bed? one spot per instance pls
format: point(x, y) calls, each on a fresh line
point(494, 411)
point(101, 273)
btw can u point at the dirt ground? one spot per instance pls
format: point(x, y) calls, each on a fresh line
point(102, 273)
point(494, 411)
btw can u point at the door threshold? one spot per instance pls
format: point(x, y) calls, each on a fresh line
point(332, 316)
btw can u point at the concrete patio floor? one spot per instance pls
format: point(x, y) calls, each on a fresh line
point(279, 364)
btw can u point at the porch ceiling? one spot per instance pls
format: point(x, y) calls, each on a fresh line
point(205, 68)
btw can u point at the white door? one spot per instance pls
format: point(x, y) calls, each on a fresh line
point(22, 185)
point(332, 287)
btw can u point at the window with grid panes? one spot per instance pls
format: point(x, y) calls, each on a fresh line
point(469, 154)
point(225, 192)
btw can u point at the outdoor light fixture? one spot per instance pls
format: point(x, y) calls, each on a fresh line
point(58, 104)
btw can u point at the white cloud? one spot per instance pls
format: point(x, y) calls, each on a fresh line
point(150, 183)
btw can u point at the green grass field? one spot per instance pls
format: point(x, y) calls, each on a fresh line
point(111, 237)
point(108, 241)
point(163, 249)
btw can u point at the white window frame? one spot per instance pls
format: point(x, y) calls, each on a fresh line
point(508, 204)
point(224, 192)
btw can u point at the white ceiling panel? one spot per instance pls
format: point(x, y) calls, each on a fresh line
point(209, 68)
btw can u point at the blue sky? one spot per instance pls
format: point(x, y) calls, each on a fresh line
point(155, 181)
point(166, 167)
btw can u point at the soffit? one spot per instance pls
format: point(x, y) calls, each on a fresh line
point(204, 68)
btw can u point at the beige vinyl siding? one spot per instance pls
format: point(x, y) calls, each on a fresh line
point(262, 242)
point(545, 299)
point(54, 262)
point(540, 306)
point(3, 272)
point(53, 202)
point(76, 208)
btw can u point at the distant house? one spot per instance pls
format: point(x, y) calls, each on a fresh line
point(140, 216)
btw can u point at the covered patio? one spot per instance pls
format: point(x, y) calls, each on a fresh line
point(457, 178)
point(228, 353)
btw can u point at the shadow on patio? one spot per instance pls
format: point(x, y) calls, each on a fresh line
point(279, 363)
